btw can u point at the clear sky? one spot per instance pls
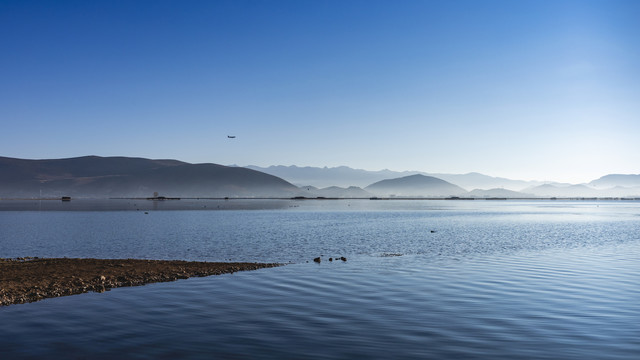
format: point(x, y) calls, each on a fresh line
point(546, 90)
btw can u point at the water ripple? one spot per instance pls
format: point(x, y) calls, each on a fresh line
point(541, 281)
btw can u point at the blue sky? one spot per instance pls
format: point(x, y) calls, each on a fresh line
point(546, 90)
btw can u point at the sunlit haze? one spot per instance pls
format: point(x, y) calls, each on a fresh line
point(545, 90)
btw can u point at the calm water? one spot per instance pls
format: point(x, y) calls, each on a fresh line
point(424, 279)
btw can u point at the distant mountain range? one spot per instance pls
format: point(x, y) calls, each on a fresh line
point(615, 180)
point(478, 185)
point(335, 192)
point(474, 180)
point(101, 177)
point(345, 176)
point(581, 190)
point(497, 193)
point(342, 176)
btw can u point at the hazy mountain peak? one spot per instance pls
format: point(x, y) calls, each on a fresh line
point(415, 185)
point(612, 180)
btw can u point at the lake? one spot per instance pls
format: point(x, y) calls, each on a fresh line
point(424, 279)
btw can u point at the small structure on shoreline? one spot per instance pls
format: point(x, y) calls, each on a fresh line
point(156, 197)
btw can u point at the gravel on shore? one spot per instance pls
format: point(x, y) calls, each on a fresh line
point(25, 280)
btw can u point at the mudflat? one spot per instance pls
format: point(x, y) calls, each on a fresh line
point(25, 280)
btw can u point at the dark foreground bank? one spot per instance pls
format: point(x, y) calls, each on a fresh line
point(31, 279)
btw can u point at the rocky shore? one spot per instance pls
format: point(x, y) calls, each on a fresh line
point(25, 280)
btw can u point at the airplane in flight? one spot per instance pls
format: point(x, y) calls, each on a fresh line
point(231, 136)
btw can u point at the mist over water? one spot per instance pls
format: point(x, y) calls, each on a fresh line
point(423, 279)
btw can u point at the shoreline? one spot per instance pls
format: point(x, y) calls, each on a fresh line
point(25, 280)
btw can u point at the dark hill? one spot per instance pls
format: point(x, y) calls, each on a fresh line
point(100, 177)
point(415, 185)
point(86, 166)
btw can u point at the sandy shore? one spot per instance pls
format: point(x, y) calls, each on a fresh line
point(25, 280)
